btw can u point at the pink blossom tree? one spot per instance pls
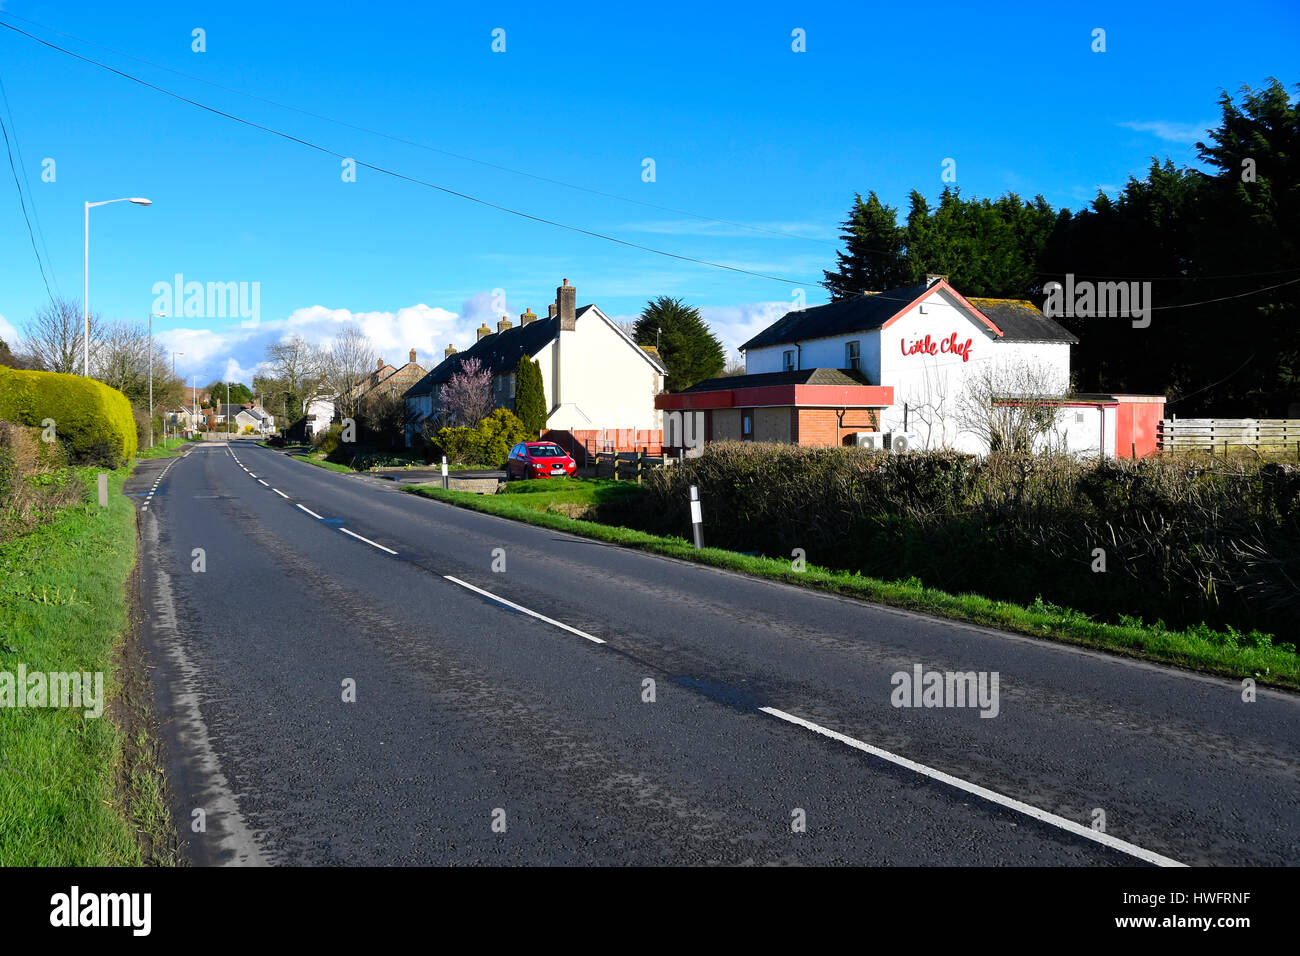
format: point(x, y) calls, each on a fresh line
point(466, 398)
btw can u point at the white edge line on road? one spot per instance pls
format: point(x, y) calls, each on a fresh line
point(251, 475)
point(523, 610)
point(312, 513)
point(280, 493)
point(367, 541)
point(992, 796)
point(261, 482)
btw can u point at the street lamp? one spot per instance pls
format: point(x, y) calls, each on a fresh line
point(152, 316)
point(85, 279)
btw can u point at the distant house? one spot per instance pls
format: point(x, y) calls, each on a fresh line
point(387, 380)
point(247, 415)
point(317, 415)
point(181, 418)
point(597, 382)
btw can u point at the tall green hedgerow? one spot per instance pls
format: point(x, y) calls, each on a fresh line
point(94, 422)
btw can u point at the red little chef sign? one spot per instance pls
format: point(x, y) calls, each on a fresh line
point(928, 346)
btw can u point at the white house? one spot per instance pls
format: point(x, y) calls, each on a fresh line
point(248, 415)
point(594, 377)
point(913, 363)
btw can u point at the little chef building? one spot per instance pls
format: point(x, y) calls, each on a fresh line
point(906, 369)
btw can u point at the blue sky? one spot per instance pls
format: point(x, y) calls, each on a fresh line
point(740, 128)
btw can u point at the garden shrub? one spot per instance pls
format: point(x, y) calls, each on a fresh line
point(488, 443)
point(95, 423)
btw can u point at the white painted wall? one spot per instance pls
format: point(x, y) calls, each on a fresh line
point(600, 372)
point(1084, 431)
point(929, 386)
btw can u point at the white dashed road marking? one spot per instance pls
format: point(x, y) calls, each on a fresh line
point(984, 793)
point(523, 610)
point(312, 513)
point(367, 541)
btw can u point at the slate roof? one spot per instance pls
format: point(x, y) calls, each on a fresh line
point(858, 314)
point(803, 376)
point(1019, 320)
point(499, 352)
point(1022, 321)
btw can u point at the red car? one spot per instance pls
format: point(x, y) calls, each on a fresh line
point(539, 459)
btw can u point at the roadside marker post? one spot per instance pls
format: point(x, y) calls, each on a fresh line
point(444, 472)
point(103, 490)
point(697, 517)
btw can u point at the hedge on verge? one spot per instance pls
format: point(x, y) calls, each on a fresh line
point(93, 421)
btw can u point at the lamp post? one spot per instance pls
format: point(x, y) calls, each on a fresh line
point(152, 316)
point(85, 279)
point(174, 354)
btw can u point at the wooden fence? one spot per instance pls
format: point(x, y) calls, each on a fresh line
point(627, 465)
point(1224, 434)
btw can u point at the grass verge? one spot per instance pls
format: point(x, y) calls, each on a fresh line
point(64, 607)
point(172, 448)
point(320, 462)
point(1198, 649)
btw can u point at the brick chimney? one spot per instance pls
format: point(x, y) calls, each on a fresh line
point(449, 351)
point(550, 311)
point(527, 316)
point(566, 304)
point(503, 324)
point(412, 356)
point(380, 366)
point(483, 330)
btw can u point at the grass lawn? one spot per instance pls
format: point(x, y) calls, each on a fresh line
point(543, 502)
point(64, 607)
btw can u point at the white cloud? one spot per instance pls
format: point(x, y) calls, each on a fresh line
point(1173, 132)
point(8, 332)
point(234, 353)
point(735, 325)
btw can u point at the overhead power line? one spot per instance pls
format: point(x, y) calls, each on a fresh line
point(425, 146)
point(402, 176)
point(31, 195)
point(23, 202)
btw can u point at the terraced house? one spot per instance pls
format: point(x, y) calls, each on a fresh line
point(599, 384)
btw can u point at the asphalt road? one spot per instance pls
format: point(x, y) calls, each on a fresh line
point(487, 733)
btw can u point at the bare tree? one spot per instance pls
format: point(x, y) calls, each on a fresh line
point(1010, 407)
point(349, 360)
point(466, 398)
point(926, 406)
point(52, 338)
point(298, 366)
point(735, 365)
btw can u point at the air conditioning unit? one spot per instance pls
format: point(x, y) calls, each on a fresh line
point(874, 440)
point(900, 442)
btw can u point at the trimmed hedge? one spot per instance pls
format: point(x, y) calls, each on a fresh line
point(94, 422)
point(1181, 542)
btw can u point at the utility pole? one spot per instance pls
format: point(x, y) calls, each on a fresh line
point(227, 411)
point(195, 399)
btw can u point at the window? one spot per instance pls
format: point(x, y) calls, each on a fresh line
point(853, 356)
point(788, 360)
point(747, 424)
